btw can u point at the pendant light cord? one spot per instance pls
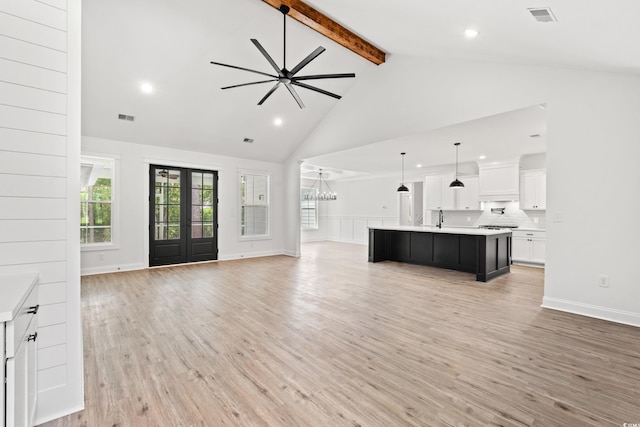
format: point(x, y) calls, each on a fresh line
point(457, 146)
point(284, 42)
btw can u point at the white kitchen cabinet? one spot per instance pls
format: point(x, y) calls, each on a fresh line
point(499, 182)
point(19, 322)
point(528, 246)
point(533, 190)
point(468, 197)
point(438, 195)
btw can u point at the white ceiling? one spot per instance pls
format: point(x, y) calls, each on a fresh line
point(500, 138)
point(170, 44)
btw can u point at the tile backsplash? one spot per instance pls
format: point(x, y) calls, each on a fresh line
point(512, 215)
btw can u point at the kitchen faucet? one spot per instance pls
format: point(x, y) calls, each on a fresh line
point(440, 218)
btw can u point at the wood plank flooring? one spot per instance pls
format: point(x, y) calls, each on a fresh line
point(331, 340)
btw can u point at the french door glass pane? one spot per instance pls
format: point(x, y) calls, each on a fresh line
point(167, 204)
point(202, 204)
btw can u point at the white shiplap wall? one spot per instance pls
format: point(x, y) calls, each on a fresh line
point(39, 145)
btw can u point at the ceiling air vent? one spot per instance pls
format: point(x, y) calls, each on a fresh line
point(248, 140)
point(125, 117)
point(543, 14)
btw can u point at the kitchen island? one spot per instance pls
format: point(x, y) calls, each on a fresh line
point(486, 253)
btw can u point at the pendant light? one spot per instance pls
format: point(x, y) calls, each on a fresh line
point(402, 187)
point(455, 184)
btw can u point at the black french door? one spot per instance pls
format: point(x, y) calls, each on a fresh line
point(183, 215)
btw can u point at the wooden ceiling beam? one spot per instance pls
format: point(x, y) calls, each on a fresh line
point(326, 26)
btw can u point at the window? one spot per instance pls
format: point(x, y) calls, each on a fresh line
point(308, 211)
point(96, 200)
point(254, 205)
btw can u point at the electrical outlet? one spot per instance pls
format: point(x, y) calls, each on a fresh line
point(468, 219)
point(603, 281)
point(101, 256)
point(535, 219)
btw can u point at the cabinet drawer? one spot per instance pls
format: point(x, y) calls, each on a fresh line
point(528, 234)
point(16, 329)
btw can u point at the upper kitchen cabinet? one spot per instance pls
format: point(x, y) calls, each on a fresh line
point(468, 197)
point(533, 190)
point(438, 194)
point(499, 182)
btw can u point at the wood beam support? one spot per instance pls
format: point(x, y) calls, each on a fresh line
point(326, 26)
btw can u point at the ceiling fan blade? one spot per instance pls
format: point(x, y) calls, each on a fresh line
point(273, 89)
point(244, 69)
point(295, 95)
point(266, 55)
point(322, 91)
point(306, 60)
point(249, 84)
point(325, 76)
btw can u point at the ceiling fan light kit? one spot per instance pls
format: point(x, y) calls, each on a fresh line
point(285, 77)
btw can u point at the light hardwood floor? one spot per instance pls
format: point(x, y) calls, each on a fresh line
point(331, 340)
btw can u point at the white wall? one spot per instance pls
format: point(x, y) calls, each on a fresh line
point(592, 139)
point(39, 157)
point(132, 182)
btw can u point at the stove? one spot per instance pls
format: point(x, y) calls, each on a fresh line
point(497, 227)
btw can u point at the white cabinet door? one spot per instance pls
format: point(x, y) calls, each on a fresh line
point(542, 191)
point(448, 194)
point(21, 382)
point(520, 249)
point(433, 196)
point(467, 198)
point(533, 192)
point(2, 371)
point(438, 193)
point(538, 248)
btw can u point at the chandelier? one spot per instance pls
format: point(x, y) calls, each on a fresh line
point(319, 193)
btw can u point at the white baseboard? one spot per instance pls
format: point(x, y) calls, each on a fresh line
point(604, 313)
point(291, 253)
point(111, 269)
point(230, 257)
point(348, 241)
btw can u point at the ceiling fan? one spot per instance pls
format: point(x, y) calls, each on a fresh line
point(284, 76)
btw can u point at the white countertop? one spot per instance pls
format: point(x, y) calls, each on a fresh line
point(446, 230)
point(14, 289)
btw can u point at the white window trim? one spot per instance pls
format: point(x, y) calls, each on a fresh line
point(266, 236)
point(115, 206)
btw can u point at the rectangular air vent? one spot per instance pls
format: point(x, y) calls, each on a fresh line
point(543, 14)
point(248, 140)
point(125, 117)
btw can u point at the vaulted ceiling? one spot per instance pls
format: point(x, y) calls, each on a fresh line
point(170, 45)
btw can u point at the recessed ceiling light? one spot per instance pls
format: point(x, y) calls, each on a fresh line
point(277, 121)
point(482, 157)
point(146, 88)
point(470, 33)
point(418, 166)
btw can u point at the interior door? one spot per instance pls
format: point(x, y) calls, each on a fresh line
point(183, 215)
